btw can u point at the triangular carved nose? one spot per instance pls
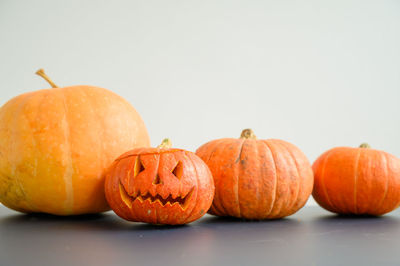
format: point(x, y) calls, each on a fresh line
point(157, 180)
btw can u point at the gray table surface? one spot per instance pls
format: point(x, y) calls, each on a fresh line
point(310, 237)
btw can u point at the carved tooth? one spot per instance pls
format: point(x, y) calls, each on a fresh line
point(157, 200)
point(164, 195)
point(149, 200)
point(152, 192)
point(135, 193)
point(174, 195)
point(175, 203)
point(169, 203)
point(138, 196)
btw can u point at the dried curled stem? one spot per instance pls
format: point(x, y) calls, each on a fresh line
point(41, 73)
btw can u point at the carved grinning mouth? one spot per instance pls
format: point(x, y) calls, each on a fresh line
point(181, 200)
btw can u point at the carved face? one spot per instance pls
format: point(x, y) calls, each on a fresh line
point(160, 186)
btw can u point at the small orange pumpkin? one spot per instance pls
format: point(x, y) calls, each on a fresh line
point(257, 179)
point(159, 185)
point(357, 181)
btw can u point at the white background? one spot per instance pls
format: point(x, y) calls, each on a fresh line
point(318, 74)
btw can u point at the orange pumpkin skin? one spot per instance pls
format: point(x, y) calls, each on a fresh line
point(357, 181)
point(55, 145)
point(159, 186)
point(257, 179)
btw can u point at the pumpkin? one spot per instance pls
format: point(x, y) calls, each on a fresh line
point(159, 185)
point(257, 179)
point(55, 145)
point(356, 181)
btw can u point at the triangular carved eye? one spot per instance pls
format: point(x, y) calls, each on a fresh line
point(138, 167)
point(157, 180)
point(178, 170)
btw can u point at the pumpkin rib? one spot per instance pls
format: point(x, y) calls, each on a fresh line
point(387, 155)
point(249, 173)
point(357, 164)
point(209, 152)
point(306, 179)
point(17, 179)
point(299, 177)
point(322, 180)
point(387, 181)
point(197, 191)
point(346, 203)
point(217, 203)
point(69, 201)
point(238, 166)
point(44, 96)
point(32, 205)
point(236, 175)
point(228, 177)
point(206, 187)
point(293, 162)
point(254, 150)
point(102, 125)
point(276, 179)
point(275, 149)
point(100, 137)
point(262, 149)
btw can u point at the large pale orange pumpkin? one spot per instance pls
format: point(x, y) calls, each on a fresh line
point(257, 179)
point(159, 185)
point(360, 180)
point(55, 145)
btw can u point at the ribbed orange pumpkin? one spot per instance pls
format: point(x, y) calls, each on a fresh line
point(357, 181)
point(159, 186)
point(257, 179)
point(55, 145)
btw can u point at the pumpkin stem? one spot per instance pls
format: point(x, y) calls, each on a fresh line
point(365, 145)
point(247, 134)
point(41, 73)
point(165, 144)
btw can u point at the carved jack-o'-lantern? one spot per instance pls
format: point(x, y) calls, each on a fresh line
point(159, 185)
